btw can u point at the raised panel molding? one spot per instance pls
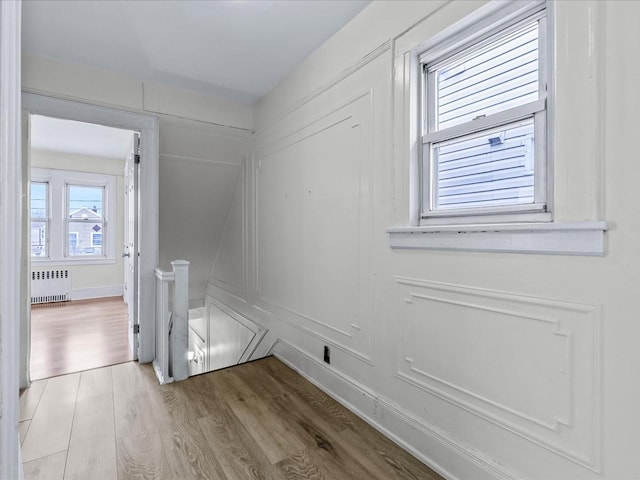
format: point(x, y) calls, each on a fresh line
point(258, 331)
point(345, 323)
point(529, 365)
point(238, 292)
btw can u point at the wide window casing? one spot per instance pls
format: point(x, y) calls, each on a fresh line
point(72, 217)
point(484, 125)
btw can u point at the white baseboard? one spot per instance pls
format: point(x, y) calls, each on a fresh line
point(97, 292)
point(424, 441)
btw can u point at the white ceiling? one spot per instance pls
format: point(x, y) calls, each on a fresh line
point(237, 49)
point(81, 138)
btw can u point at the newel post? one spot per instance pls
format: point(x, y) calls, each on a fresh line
point(180, 321)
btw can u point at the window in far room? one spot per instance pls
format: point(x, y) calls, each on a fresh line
point(39, 213)
point(85, 215)
point(71, 216)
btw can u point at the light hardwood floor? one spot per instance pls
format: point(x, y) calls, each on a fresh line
point(260, 420)
point(79, 335)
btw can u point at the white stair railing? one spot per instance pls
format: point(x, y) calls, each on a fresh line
point(172, 323)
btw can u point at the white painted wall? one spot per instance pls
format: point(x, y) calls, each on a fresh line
point(203, 141)
point(90, 280)
point(485, 365)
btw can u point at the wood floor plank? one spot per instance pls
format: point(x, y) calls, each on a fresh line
point(50, 427)
point(387, 456)
point(322, 404)
point(239, 455)
point(50, 467)
point(94, 383)
point(79, 335)
point(381, 457)
point(92, 447)
point(300, 467)
point(139, 450)
point(130, 401)
point(141, 457)
point(183, 441)
point(325, 447)
point(260, 421)
point(29, 399)
point(275, 438)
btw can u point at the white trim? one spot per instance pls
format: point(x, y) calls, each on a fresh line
point(563, 238)
point(457, 461)
point(97, 292)
point(499, 119)
point(11, 216)
point(147, 125)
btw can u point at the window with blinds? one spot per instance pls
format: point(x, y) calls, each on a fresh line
point(483, 142)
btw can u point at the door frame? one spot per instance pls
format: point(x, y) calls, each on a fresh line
point(11, 252)
point(147, 125)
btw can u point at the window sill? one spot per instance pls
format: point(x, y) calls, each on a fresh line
point(68, 262)
point(560, 238)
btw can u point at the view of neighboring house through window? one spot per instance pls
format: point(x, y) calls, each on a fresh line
point(485, 124)
point(85, 208)
point(39, 212)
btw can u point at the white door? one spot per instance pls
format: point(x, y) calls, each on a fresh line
point(130, 254)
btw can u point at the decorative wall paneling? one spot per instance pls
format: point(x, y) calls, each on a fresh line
point(233, 338)
point(315, 185)
point(530, 365)
point(229, 271)
point(541, 385)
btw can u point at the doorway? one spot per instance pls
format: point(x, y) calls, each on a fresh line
point(145, 254)
point(82, 229)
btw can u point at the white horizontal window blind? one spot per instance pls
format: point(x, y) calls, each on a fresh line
point(485, 125)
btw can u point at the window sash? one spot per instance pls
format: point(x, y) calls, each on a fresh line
point(75, 226)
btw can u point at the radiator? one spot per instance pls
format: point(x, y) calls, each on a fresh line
point(49, 286)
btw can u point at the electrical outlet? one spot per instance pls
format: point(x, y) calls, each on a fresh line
point(327, 354)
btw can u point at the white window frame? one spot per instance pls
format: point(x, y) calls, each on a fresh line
point(447, 50)
point(58, 181)
point(46, 220)
point(91, 182)
point(524, 232)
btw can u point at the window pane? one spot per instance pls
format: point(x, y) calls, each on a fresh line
point(484, 170)
point(85, 237)
point(38, 200)
point(39, 239)
point(85, 202)
point(500, 76)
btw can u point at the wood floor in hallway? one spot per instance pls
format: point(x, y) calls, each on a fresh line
point(260, 420)
point(80, 335)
